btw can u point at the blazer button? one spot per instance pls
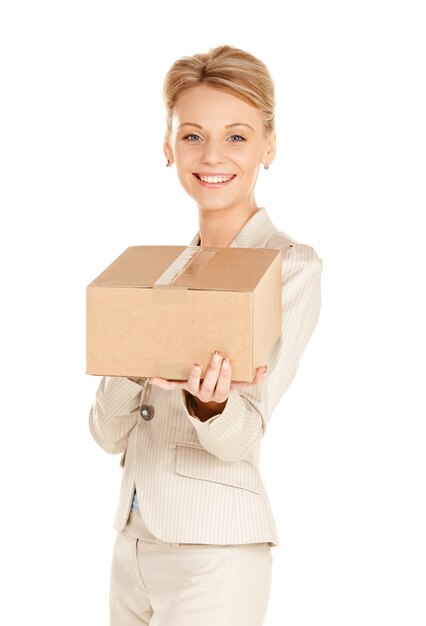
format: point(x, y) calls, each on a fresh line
point(147, 411)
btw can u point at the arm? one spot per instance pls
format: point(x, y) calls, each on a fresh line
point(115, 412)
point(235, 431)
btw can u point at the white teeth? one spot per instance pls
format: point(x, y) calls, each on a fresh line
point(214, 179)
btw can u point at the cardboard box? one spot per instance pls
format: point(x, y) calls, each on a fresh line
point(157, 309)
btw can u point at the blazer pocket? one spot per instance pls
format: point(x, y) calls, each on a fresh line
point(196, 462)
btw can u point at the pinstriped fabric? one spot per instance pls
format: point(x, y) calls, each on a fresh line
point(114, 413)
point(199, 482)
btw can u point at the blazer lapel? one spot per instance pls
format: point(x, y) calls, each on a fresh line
point(255, 233)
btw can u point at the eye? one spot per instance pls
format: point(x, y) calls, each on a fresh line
point(239, 138)
point(191, 135)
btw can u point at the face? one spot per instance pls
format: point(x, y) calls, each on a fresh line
point(215, 134)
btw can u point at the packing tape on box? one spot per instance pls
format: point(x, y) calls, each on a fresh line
point(177, 266)
point(189, 262)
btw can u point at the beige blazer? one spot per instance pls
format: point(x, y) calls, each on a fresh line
point(199, 482)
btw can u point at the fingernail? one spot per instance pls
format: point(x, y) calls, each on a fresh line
point(225, 364)
point(197, 366)
point(216, 356)
point(264, 373)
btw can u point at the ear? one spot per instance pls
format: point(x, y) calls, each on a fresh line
point(270, 149)
point(167, 148)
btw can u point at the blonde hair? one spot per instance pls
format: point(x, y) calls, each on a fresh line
point(229, 69)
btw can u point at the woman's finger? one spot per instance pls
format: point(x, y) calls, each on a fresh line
point(193, 384)
point(207, 388)
point(260, 374)
point(223, 385)
point(166, 384)
point(259, 378)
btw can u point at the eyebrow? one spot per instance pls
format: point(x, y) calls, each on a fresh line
point(227, 126)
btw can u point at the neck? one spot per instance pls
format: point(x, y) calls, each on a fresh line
point(218, 228)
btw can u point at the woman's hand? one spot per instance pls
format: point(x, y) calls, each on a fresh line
point(216, 385)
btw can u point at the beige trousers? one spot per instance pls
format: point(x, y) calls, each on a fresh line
point(169, 584)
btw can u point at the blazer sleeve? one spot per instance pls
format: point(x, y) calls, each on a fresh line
point(115, 412)
point(236, 432)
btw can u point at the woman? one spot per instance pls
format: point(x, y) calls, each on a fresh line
point(194, 524)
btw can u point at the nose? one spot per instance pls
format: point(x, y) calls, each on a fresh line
point(212, 153)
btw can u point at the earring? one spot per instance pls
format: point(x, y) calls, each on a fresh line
point(168, 163)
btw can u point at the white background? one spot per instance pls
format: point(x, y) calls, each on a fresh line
point(83, 176)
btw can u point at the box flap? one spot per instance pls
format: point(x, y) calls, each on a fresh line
point(226, 269)
point(137, 266)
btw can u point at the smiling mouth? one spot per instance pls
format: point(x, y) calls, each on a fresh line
point(215, 180)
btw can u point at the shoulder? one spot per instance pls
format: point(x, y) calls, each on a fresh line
point(295, 252)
